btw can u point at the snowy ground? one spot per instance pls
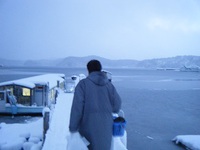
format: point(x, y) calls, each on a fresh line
point(29, 136)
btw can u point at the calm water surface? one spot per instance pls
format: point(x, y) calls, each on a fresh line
point(158, 105)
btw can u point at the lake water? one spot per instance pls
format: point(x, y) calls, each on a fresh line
point(158, 105)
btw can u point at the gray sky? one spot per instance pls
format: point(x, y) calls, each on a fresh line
point(114, 29)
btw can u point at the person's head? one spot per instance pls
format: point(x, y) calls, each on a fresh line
point(93, 65)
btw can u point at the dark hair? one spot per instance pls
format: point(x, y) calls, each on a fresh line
point(94, 65)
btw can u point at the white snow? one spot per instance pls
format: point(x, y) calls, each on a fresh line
point(56, 137)
point(30, 82)
point(13, 136)
point(190, 141)
point(30, 135)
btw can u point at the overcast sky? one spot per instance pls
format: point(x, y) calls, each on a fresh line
point(114, 29)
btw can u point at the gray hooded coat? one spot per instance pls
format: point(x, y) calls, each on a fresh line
point(95, 99)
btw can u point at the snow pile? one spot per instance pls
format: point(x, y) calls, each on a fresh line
point(18, 136)
point(190, 141)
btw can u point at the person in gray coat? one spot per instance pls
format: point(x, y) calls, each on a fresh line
point(95, 99)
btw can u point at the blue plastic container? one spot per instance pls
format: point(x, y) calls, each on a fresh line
point(119, 128)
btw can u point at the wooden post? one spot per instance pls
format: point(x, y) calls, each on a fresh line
point(45, 124)
point(58, 83)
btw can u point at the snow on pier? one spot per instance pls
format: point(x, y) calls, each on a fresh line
point(56, 137)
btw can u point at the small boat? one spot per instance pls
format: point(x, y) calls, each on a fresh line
point(30, 95)
point(190, 69)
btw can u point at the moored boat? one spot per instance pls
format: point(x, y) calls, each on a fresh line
point(30, 95)
point(190, 69)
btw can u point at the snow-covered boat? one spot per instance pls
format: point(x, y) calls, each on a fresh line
point(30, 95)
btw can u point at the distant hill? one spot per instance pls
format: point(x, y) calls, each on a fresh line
point(75, 62)
point(82, 61)
point(8, 62)
point(172, 62)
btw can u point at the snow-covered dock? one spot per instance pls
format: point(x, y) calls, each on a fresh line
point(56, 137)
